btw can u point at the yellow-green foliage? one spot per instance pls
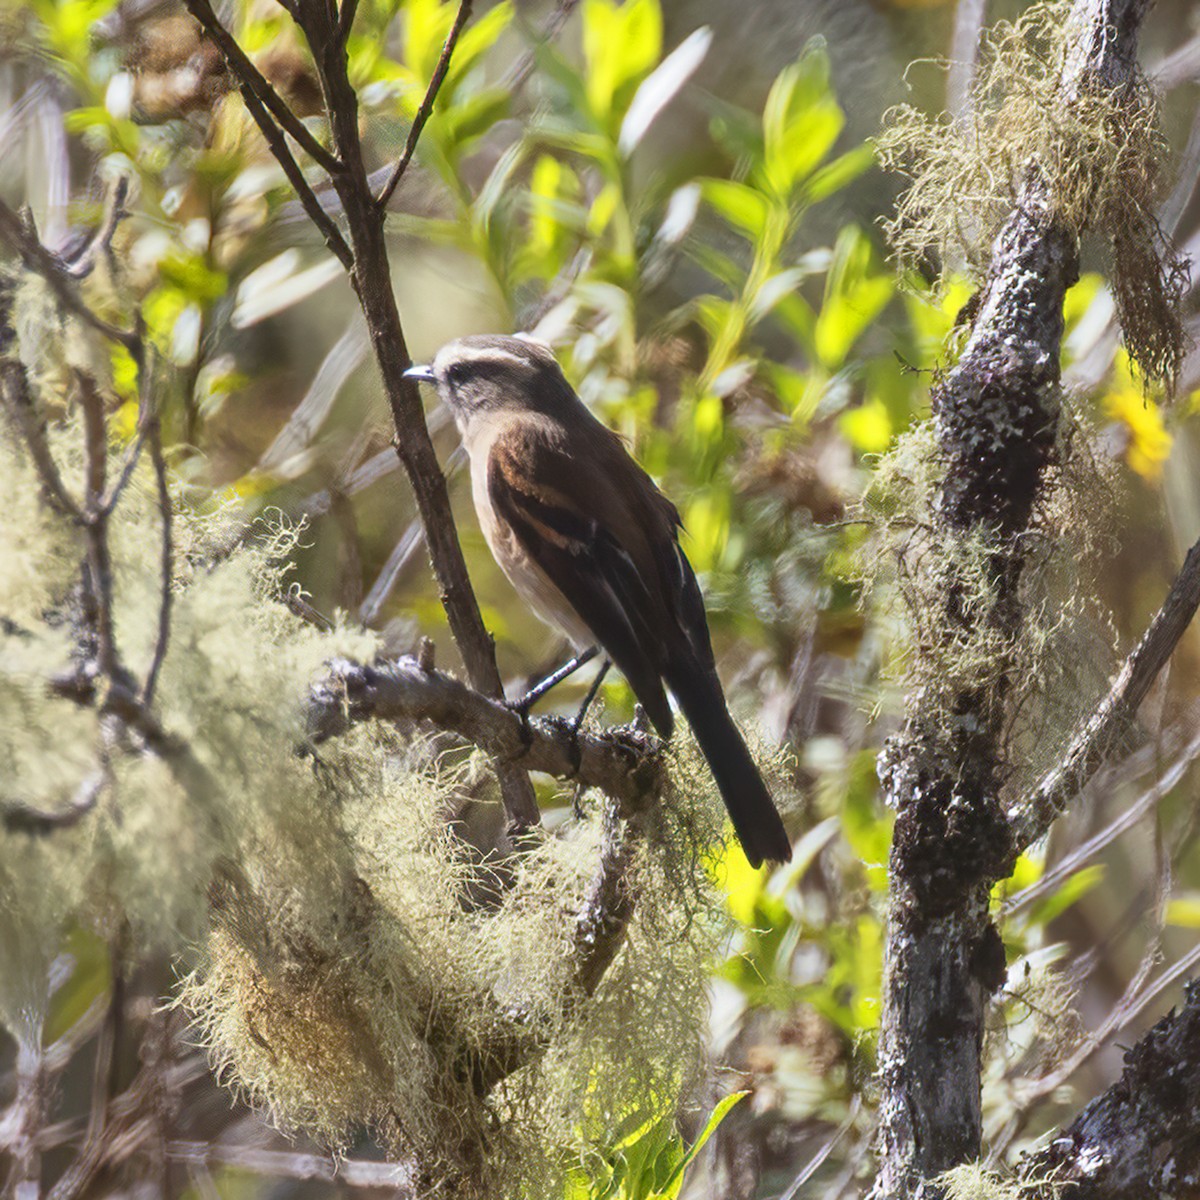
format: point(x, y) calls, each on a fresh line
point(339, 974)
point(1099, 153)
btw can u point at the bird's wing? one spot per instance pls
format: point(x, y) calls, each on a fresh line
point(551, 501)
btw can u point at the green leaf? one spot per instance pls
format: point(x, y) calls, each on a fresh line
point(462, 123)
point(843, 170)
point(1068, 893)
point(801, 122)
point(476, 40)
point(718, 1114)
point(621, 45)
point(854, 296)
point(89, 980)
point(742, 206)
point(1184, 911)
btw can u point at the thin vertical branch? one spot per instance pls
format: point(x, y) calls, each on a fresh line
point(370, 275)
point(166, 563)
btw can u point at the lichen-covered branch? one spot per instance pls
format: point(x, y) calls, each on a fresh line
point(996, 419)
point(623, 763)
point(1142, 1136)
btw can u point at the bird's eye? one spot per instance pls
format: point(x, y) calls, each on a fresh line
point(456, 374)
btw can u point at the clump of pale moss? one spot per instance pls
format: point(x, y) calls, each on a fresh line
point(338, 972)
point(1048, 670)
point(973, 1181)
point(363, 991)
point(1099, 154)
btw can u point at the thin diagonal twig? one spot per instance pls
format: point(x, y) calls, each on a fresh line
point(1116, 712)
point(52, 269)
point(253, 80)
point(423, 113)
point(247, 76)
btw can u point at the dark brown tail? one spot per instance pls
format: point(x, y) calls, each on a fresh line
point(755, 818)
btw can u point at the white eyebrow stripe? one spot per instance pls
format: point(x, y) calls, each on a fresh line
point(491, 354)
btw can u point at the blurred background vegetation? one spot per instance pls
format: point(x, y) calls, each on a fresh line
point(682, 198)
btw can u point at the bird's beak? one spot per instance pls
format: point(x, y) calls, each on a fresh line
point(421, 374)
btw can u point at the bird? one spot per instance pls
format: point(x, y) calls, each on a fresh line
point(591, 544)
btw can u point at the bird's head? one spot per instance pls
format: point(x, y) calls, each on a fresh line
point(487, 373)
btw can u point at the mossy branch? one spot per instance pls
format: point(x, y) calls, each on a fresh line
point(623, 763)
point(996, 418)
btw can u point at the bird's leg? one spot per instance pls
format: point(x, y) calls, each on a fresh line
point(539, 689)
point(577, 722)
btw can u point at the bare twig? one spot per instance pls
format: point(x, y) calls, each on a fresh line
point(523, 67)
point(82, 264)
point(248, 78)
point(300, 607)
point(17, 815)
point(98, 580)
point(426, 107)
point(255, 83)
point(1115, 715)
point(371, 277)
point(815, 1163)
point(84, 1169)
point(55, 272)
point(1126, 819)
point(622, 763)
point(32, 1097)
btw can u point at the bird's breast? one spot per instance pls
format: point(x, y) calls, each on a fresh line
point(533, 585)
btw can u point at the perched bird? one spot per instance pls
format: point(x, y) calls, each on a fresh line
point(592, 546)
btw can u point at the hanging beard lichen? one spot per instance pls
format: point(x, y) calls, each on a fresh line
point(337, 973)
point(1046, 673)
point(1098, 152)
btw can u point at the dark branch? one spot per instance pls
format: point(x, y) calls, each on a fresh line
point(1116, 714)
point(82, 264)
point(1142, 1136)
point(346, 19)
point(14, 384)
point(426, 108)
point(166, 563)
point(18, 816)
point(623, 763)
point(995, 418)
